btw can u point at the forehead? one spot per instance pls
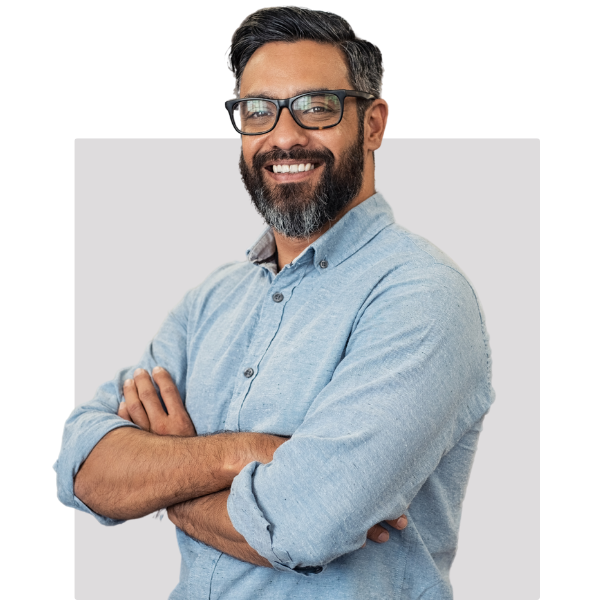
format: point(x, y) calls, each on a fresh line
point(284, 69)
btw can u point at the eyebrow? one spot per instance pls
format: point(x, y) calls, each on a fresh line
point(271, 96)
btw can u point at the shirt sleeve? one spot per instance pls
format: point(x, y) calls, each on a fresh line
point(89, 423)
point(414, 378)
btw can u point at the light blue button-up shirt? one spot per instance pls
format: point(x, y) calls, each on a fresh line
point(370, 351)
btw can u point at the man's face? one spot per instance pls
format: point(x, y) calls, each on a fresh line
point(298, 204)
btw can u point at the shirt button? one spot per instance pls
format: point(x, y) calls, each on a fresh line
point(249, 372)
point(323, 264)
point(277, 297)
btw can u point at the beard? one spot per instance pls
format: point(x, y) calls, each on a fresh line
point(299, 209)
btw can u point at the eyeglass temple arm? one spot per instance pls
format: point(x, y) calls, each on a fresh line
point(364, 95)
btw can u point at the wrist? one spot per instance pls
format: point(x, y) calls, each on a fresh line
point(234, 451)
point(172, 514)
point(179, 513)
point(240, 449)
point(222, 456)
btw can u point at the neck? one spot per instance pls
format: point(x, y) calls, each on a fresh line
point(289, 248)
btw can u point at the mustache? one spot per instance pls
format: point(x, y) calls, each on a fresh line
point(324, 155)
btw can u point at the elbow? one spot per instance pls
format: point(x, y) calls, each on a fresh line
point(91, 490)
point(81, 486)
point(85, 491)
point(105, 506)
point(308, 549)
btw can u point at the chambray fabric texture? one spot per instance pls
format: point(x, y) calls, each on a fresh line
point(374, 358)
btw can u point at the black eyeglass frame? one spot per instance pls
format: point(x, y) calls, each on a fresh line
point(287, 103)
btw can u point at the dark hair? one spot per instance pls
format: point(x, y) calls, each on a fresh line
point(292, 24)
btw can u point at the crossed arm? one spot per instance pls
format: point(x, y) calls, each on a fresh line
point(131, 472)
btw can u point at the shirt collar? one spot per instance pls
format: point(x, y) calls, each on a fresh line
point(352, 231)
point(347, 236)
point(264, 251)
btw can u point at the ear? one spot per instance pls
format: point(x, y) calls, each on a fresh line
point(375, 122)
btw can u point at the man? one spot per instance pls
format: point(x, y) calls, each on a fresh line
point(311, 394)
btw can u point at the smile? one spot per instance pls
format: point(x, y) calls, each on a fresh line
point(291, 167)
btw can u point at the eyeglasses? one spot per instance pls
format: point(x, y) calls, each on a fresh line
point(312, 110)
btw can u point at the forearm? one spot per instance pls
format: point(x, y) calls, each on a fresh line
point(131, 473)
point(206, 519)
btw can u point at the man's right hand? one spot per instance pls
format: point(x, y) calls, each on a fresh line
point(142, 405)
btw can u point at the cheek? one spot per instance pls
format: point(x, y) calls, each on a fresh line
point(249, 149)
point(336, 139)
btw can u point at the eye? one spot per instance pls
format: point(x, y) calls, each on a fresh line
point(256, 109)
point(259, 114)
point(317, 109)
point(319, 105)
point(312, 106)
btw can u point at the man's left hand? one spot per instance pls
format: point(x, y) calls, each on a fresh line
point(380, 534)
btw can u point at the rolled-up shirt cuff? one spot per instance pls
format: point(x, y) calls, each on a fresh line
point(72, 458)
point(249, 520)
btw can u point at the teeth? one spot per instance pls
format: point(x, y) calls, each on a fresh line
point(295, 168)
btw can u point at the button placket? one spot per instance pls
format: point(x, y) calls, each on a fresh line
point(269, 322)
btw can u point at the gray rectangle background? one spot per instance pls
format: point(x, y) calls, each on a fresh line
point(154, 217)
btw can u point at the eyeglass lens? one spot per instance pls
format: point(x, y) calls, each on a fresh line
point(312, 110)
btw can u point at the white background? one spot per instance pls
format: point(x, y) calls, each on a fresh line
point(142, 69)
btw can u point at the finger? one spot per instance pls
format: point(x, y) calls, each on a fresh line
point(148, 396)
point(134, 407)
point(168, 390)
point(378, 534)
point(400, 523)
point(123, 412)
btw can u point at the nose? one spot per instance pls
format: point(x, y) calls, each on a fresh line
point(287, 132)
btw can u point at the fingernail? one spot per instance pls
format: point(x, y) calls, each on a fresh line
point(402, 522)
point(138, 372)
point(383, 536)
point(156, 369)
point(121, 404)
point(127, 382)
